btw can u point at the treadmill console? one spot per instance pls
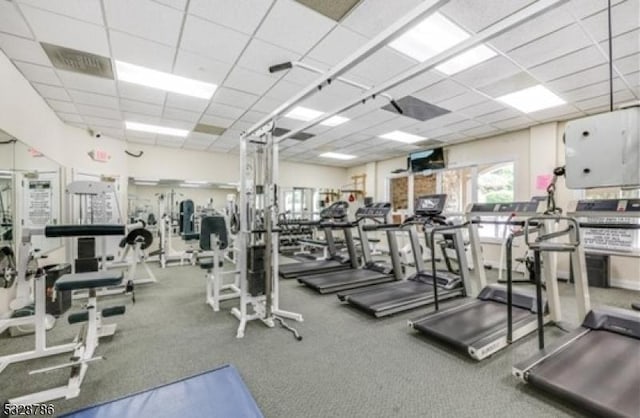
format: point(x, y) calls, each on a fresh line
point(507, 207)
point(606, 205)
point(337, 210)
point(430, 205)
point(374, 211)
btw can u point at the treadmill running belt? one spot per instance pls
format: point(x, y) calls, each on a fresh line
point(342, 279)
point(471, 323)
point(600, 372)
point(310, 267)
point(401, 291)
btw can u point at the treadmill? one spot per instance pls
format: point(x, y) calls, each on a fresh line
point(333, 218)
point(597, 366)
point(417, 290)
point(485, 324)
point(372, 272)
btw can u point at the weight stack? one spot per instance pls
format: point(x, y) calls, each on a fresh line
point(256, 275)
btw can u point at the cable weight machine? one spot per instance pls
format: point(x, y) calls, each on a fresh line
point(258, 238)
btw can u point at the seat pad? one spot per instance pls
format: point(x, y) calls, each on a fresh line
point(89, 280)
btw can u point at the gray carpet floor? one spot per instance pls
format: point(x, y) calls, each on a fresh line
point(348, 365)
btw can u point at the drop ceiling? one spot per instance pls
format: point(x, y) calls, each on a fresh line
point(231, 43)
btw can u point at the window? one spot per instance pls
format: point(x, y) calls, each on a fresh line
point(495, 183)
point(456, 184)
point(611, 193)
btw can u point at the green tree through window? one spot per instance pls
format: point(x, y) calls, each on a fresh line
point(495, 183)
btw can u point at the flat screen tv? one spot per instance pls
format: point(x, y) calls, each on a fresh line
point(432, 159)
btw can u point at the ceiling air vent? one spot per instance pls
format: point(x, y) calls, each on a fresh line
point(302, 136)
point(334, 9)
point(209, 129)
point(417, 109)
point(78, 61)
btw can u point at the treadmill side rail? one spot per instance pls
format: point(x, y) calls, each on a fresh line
point(521, 369)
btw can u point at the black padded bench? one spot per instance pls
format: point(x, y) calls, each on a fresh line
point(89, 280)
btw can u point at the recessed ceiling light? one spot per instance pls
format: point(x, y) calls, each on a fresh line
point(164, 81)
point(466, 60)
point(531, 99)
point(142, 179)
point(196, 181)
point(337, 156)
point(143, 127)
point(433, 35)
point(146, 183)
point(335, 121)
point(190, 185)
point(402, 137)
point(303, 113)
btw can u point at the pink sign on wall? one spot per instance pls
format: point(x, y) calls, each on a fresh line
point(543, 181)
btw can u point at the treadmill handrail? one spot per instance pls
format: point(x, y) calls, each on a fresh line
point(432, 243)
point(573, 226)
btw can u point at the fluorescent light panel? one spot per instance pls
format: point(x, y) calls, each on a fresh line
point(436, 34)
point(337, 156)
point(154, 129)
point(164, 81)
point(190, 185)
point(146, 183)
point(404, 137)
point(466, 60)
point(532, 99)
point(196, 182)
point(146, 180)
point(305, 114)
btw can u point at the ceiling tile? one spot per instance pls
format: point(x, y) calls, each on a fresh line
point(139, 140)
point(176, 4)
point(463, 125)
point(226, 95)
point(212, 40)
point(260, 55)
point(556, 113)
point(97, 122)
point(266, 105)
point(373, 16)
point(417, 83)
point(304, 77)
point(38, 73)
point(88, 83)
point(217, 121)
point(83, 97)
point(537, 27)
point(140, 107)
point(294, 26)
point(382, 65)
point(52, 92)
point(142, 52)
point(87, 10)
point(23, 50)
point(625, 17)
point(629, 64)
point(515, 82)
point(70, 117)
point(585, 8)
point(623, 45)
point(141, 118)
point(556, 44)
point(581, 79)
point(595, 102)
point(160, 23)
point(441, 91)
point(11, 21)
point(169, 142)
point(201, 68)
point(196, 146)
point(337, 45)
point(500, 115)
point(568, 64)
point(180, 101)
point(141, 93)
point(181, 115)
point(60, 106)
point(249, 81)
point(241, 15)
point(252, 116)
point(481, 131)
point(593, 90)
point(66, 31)
point(224, 111)
point(483, 108)
point(462, 101)
point(517, 122)
point(176, 124)
point(487, 72)
point(88, 110)
point(114, 133)
point(475, 15)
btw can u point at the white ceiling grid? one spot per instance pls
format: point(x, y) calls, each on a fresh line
point(231, 43)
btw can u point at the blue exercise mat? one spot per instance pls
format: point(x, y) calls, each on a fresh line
point(216, 393)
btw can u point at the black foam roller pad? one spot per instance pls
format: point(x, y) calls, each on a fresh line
point(83, 230)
